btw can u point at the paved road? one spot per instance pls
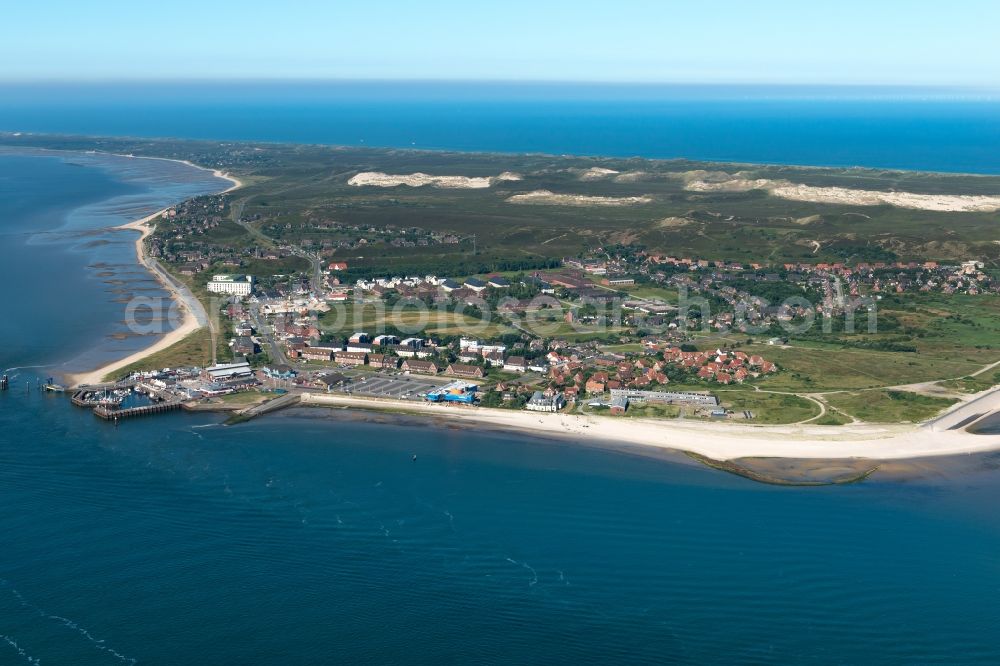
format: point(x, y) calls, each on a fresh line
point(265, 332)
point(190, 300)
point(315, 262)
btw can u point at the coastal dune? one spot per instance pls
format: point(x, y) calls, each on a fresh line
point(379, 179)
point(545, 197)
point(955, 203)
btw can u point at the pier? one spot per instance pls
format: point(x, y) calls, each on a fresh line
point(114, 414)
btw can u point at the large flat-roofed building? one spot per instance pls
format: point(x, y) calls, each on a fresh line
point(328, 380)
point(667, 397)
point(228, 371)
point(619, 281)
point(234, 285)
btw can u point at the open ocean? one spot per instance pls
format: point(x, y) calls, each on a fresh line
point(308, 537)
point(921, 129)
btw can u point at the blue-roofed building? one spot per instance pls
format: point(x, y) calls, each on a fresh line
point(461, 392)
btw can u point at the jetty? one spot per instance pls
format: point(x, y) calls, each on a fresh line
point(287, 400)
point(111, 413)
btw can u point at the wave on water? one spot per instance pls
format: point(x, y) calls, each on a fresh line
point(27, 367)
point(98, 643)
point(534, 574)
point(20, 650)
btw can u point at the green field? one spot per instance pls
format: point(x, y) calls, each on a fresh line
point(348, 318)
point(769, 408)
point(975, 384)
point(816, 367)
point(652, 292)
point(888, 406)
point(295, 189)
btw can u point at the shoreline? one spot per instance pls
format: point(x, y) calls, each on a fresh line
point(945, 435)
point(721, 442)
point(194, 315)
point(402, 148)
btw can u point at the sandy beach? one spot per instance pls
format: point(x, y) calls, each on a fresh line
point(720, 441)
point(193, 313)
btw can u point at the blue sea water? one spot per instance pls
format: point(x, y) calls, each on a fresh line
point(309, 537)
point(300, 539)
point(921, 129)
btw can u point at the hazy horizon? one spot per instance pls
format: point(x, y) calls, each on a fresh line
point(634, 41)
point(67, 90)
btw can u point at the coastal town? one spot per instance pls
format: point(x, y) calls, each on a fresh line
point(397, 290)
point(572, 339)
point(529, 333)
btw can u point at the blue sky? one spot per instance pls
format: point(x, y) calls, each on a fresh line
point(722, 41)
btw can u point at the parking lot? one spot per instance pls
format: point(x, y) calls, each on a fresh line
point(405, 387)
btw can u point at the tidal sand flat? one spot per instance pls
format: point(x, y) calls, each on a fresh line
point(59, 214)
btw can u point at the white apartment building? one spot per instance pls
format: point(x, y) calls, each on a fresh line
point(235, 285)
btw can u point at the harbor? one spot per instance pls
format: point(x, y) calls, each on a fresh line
point(126, 399)
point(218, 389)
